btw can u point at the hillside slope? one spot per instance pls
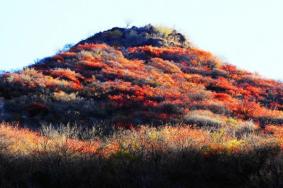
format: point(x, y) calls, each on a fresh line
point(138, 75)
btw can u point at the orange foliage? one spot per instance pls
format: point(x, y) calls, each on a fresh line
point(67, 73)
point(179, 134)
point(158, 75)
point(157, 51)
point(89, 46)
point(127, 64)
point(277, 131)
point(222, 96)
point(94, 63)
point(68, 54)
point(227, 99)
point(26, 141)
point(229, 68)
point(82, 146)
point(224, 83)
point(196, 54)
point(249, 109)
point(167, 66)
point(255, 91)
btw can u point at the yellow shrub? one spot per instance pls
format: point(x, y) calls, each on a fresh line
point(234, 144)
point(164, 30)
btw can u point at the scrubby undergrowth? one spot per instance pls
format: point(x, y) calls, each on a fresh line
point(167, 156)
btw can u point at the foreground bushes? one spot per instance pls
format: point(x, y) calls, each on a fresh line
point(178, 156)
point(185, 168)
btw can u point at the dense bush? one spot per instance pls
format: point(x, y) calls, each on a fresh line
point(203, 119)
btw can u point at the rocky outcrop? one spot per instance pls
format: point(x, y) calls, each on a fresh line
point(140, 36)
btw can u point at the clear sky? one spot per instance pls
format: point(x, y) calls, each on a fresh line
point(246, 33)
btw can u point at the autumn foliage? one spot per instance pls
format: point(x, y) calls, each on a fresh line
point(132, 85)
point(161, 100)
point(154, 83)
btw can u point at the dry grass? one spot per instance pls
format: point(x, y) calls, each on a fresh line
point(26, 142)
point(231, 139)
point(277, 131)
point(166, 156)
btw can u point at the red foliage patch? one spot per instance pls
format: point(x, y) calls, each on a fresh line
point(143, 79)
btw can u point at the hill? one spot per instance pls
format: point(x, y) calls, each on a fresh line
point(135, 76)
point(139, 107)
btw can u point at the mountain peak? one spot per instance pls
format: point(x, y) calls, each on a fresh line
point(158, 36)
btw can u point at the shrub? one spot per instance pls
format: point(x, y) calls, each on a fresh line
point(170, 108)
point(73, 131)
point(165, 31)
point(116, 33)
point(199, 95)
point(248, 109)
point(203, 119)
point(66, 74)
point(65, 97)
point(241, 130)
point(216, 72)
point(166, 66)
point(265, 120)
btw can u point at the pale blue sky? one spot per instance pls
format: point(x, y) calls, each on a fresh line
point(246, 33)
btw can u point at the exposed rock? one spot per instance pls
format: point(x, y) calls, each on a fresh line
point(139, 36)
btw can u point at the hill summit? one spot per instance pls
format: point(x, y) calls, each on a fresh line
point(139, 75)
point(140, 36)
